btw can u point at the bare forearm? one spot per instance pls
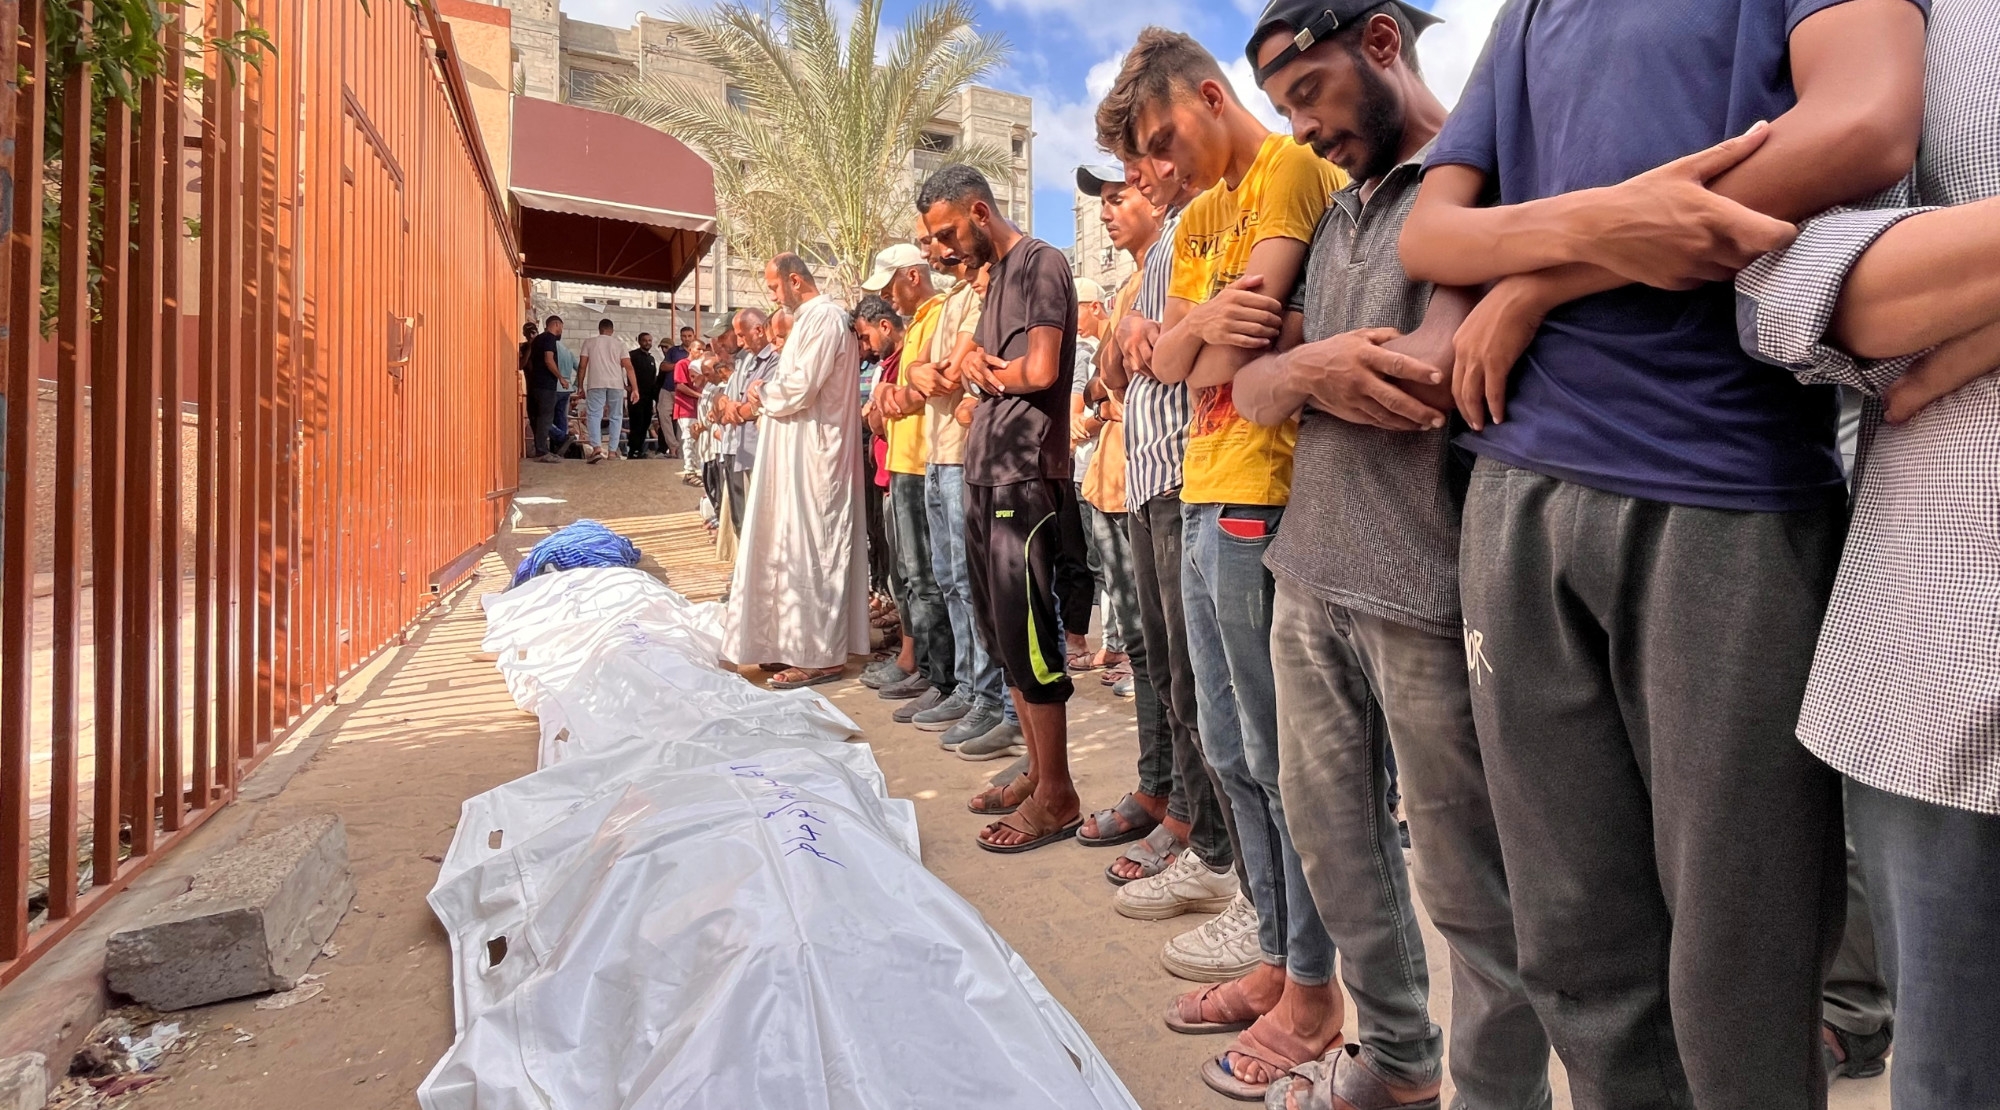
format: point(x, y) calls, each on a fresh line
point(1926, 280)
point(1266, 393)
point(1218, 365)
point(1175, 353)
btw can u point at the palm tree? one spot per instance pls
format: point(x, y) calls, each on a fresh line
point(812, 144)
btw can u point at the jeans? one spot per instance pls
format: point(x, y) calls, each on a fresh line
point(559, 419)
point(944, 503)
point(540, 403)
point(1933, 875)
point(1163, 688)
point(920, 601)
point(1111, 562)
point(1229, 596)
point(1856, 998)
point(1353, 688)
point(1673, 852)
point(599, 404)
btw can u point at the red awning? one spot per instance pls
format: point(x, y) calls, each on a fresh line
point(607, 200)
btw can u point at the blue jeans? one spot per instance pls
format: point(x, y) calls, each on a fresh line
point(598, 404)
point(944, 504)
point(559, 421)
point(1228, 594)
point(1933, 875)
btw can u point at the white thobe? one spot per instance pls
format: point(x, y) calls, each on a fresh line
point(799, 594)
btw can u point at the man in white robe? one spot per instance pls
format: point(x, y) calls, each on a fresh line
point(799, 594)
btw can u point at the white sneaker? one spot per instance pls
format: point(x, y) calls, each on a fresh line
point(1224, 947)
point(1186, 886)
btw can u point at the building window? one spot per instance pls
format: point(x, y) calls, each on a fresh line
point(736, 98)
point(584, 86)
point(936, 142)
point(1005, 214)
point(1020, 147)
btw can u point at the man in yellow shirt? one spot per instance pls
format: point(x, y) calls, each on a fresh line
point(1238, 250)
point(900, 284)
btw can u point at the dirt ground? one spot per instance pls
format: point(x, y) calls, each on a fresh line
point(441, 727)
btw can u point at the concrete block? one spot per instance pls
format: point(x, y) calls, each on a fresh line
point(24, 1082)
point(251, 922)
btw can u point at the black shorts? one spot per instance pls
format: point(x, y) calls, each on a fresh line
point(1013, 534)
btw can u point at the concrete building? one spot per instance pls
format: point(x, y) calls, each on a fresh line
point(559, 58)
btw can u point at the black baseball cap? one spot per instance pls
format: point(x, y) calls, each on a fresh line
point(1315, 21)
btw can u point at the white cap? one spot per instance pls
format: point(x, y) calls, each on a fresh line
point(1088, 291)
point(902, 256)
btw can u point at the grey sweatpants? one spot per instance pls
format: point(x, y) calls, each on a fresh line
point(1350, 684)
point(1674, 854)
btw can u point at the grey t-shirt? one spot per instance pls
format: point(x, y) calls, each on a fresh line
point(1373, 520)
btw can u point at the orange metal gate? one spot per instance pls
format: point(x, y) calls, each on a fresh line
point(246, 455)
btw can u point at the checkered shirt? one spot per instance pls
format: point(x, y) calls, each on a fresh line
point(1905, 688)
point(1156, 414)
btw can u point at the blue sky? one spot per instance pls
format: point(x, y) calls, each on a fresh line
point(1066, 53)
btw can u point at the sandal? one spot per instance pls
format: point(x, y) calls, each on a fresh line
point(794, 678)
point(1346, 1077)
point(1081, 660)
point(1153, 854)
point(992, 801)
point(1225, 1000)
point(1121, 824)
point(1116, 673)
point(1033, 821)
point(1276, 1049)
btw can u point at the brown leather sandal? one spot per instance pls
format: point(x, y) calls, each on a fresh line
point(1225, 1000)
point(992, 801)
point(1347, 1079)
point(1277, 1049)
point(1033, 821)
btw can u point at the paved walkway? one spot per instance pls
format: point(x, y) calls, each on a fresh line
point(440, 727)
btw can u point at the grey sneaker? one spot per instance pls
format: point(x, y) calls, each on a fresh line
point(909, 686)
point(998, 742)
point(1125, 687)
point(881, 673)
point(940, 716)
point(929, 699)
point(976, 722)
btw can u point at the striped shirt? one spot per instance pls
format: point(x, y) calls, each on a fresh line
point(1156, 415)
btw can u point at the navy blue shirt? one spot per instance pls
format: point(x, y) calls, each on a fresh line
point(1641, 391)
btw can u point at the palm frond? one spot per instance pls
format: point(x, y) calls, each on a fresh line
point(819, 154)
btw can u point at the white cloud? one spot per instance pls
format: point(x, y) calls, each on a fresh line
point(1449, 50)
point(1242, 78)
point(1066, 129)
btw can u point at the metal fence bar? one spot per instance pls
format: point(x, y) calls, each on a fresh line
point(72, 366)
point(21, 159)
point(344, 204)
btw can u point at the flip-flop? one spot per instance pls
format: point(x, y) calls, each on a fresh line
point(1154, 854)
point(807, 678)
point(1184, 1014)
point(1128, 819)
point(998, 807)
point(1034, 822)
point(1275, 1048)
point(1341, 1079)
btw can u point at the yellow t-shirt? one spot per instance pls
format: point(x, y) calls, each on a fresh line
point(1230, 460)
point(909, 446)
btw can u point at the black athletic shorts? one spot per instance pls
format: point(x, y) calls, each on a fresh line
point(1013, 534)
